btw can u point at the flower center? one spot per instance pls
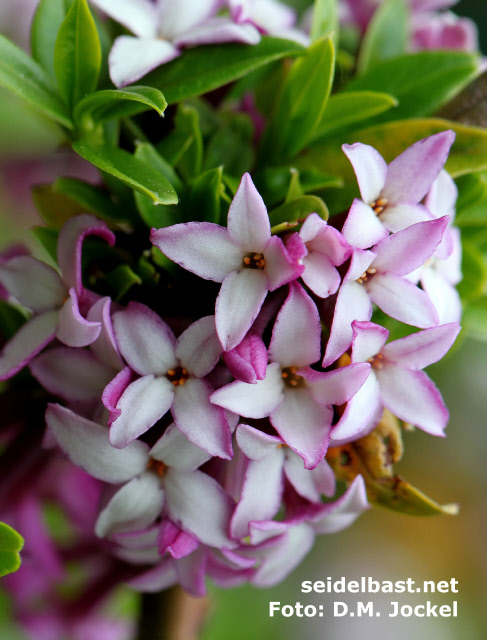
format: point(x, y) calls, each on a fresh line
point(379, 205)
point(366, 275)
point(254, 261)
point(376, 361)
point(177, 376)
point(291, 378)
point(158, 467)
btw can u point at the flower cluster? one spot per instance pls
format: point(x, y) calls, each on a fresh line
point(206, 435)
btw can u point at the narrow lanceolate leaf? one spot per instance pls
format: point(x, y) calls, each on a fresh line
point(77, 54)
point(351, 109)
point(297, 210)
point(89, 197)
point(27, 79)
point(325, 20)
point(131, 171)
point(100, 106)
point(11, 544)
point(422, 82)
point(386, 36)
point(203, 69)
point(47, 20)
point(302, 102)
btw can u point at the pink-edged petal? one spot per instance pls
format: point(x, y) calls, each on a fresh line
point(370, 169)
point(280, 266)
point(320, 274)
point(290, 344)
point(70, 244)
point(411, 174)
point(105, 346)
point(201, 422)
point(142, 404)
point(238, 304)
point(325, 239)
point(412, 397)
point(174, 541)
point(361, 414)
point(368, 340)
point(29, 340)
point(310, 440)
point(156, 578)
point(343, 512)
point(135, 506)
point(72, 374)
point(402, 215)
point(443, 295)
point(402, 300)
point(248, 222)
point(131, 58)
point(199, 506)
point(176, 451)
point(406, 250)
point(145, 539)
point(254, 443)
point(254, 503)
point(144, 340)
point(203, 248)
point(360, 262)
point(74, 330)
point(191, 572)
point(174, 21)
point(353, 303)
point(421, 349)
point(33, 283)
point(139, 16)
point(114, 391)
point(198, 348)
point(252, 400)
point(363, 228)
point(86, 444)
point(219, 29)
point(247, 361)
point(442, 196)
point(282, 558)
point(337, 386)
point(309, 483)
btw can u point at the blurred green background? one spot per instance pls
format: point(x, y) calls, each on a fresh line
point(381, 544)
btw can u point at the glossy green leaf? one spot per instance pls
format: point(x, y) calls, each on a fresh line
point(100, 106)
point(184, 146)
point(27, 79)
point(89, 198)
point(204, 200)
point(11, 544)
point(302, 102)
point(146, 152)
point(295, 189)
point(203, 69)
point(273, 182)
point(472, 201)
point(231, 145)
point(387, 34)
point(474, 269)
point(422, 82)
point(47, 20)
point(54, 208)
point(77, 54)
point(324, 20)
point(351, 109)
point(297, 210)
point(132, 171)
point(47, 238)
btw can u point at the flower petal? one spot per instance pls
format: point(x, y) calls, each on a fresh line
point(238, 304)
point(363, 228)
point(131, 58)
point(399, 216)
point(219, 29)
point(361, 414)
point(370, 169)
point(176, 451)
point(248, 360)
point(337, 386)
point(73, 330)
point(280, 266)
point(320, 274)
point(198, 348)
point(175, 21)
point(135, 506)
point(309, 483)
point(142, 404)
point(33, 283)
point(174, 541)
point(29, 340)
point(105, 346)
point(368, 340)
point(343, 512)
point(139, 16)
point(254, 443)
point(201, 422)
point(114, 391)
point(412, 397)
point(248, 223)
point(203, 248)
point(86, 444)
point(423, 348)
point(443, 295)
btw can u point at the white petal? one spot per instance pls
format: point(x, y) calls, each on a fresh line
point(370, 169)
point(248, 222)
point(198, 348)
point(174, 449)
point(139, 16)
point(362, 227)
point(33, 283)
point(131, 58)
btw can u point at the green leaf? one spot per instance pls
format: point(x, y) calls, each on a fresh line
point(474, 269)
point(89, 198)
point(100, 106)
point(55, 208)
point(130, 170)
point(273, 182)
point(47, 20)
point(297, 210)
point(472, 201)
point(77, 54)
point(121, 280)
point(421, 82)
point(352, 108)
point(11, 544)
point(187, 122)
point(27, 79)
point(203, 69)
point(205, 195)
point(231, 146)
point(146, 152)
point(47, 238)
point(387, 34)
point(295, 190)
point(474, 319)
point(325, 20)
point(302, 102)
